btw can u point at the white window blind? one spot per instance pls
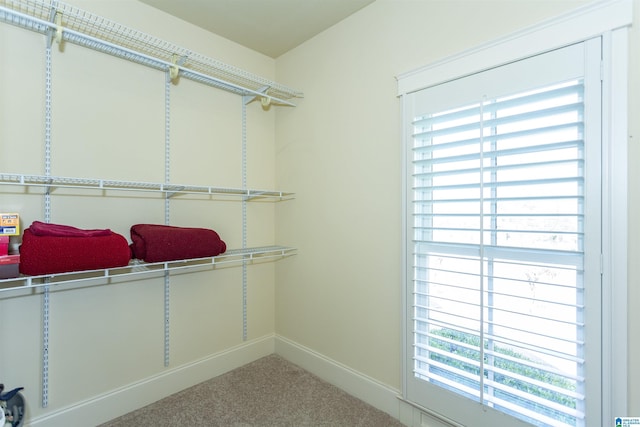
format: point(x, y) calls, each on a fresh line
point(498, 211)
point(504, 243)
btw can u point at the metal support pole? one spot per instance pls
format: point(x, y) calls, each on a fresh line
point(167, 175)
point(47, 218)
point(245, 100)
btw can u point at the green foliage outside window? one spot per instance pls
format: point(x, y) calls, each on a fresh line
point(463, 345)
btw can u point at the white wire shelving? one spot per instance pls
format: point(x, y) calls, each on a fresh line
point(53, 182)
point(139, 268)
point(62, 23)
point(136, 267)
point(66, 23)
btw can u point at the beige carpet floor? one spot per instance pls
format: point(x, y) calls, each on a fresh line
point(268, 392)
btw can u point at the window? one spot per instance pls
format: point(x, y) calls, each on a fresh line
point(504, 242)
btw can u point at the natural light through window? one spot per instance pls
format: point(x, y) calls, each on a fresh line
point(498, 252)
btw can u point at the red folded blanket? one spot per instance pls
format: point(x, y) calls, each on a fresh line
point(47, 229)
point(53, 248)
point(157, 243)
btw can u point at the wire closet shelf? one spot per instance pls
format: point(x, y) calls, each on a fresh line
point(65, 23)
point(53, 182)
point(139, 268)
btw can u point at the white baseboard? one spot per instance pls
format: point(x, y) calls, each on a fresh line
point(118, 402)
point(115, 403)
point(357, 384)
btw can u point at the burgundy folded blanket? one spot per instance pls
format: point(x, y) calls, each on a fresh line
point(47, 229)
point(157, 243)
point(54, 248)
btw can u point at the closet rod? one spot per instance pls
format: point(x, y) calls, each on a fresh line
point(138, 47)
point(141, 58)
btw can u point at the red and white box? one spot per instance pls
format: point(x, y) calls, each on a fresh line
point(9, 266)
point(4, 245)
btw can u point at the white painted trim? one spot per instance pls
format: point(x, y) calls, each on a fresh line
point(355, 383)
point(365, 388)
point(615, 224)
point(575, 26)
point(406, 273)
point(115, 403)
point(107, 406)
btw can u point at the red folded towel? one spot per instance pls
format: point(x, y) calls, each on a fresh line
point(47, 229)
point(51, 254)
point(157, 243)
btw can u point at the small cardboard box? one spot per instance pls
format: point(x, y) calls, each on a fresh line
point(9, 224)
point(4, 245)
point(9, 266)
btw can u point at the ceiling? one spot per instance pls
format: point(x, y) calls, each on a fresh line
point(271, 27)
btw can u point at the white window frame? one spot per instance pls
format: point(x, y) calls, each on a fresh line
point(609, 20)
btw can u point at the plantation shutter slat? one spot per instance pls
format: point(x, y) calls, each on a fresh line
point(514, 134)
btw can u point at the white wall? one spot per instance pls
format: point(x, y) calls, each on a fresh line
point(340, 151)
point(107, 341)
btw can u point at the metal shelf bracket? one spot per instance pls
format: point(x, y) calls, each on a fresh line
point(59, 28)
